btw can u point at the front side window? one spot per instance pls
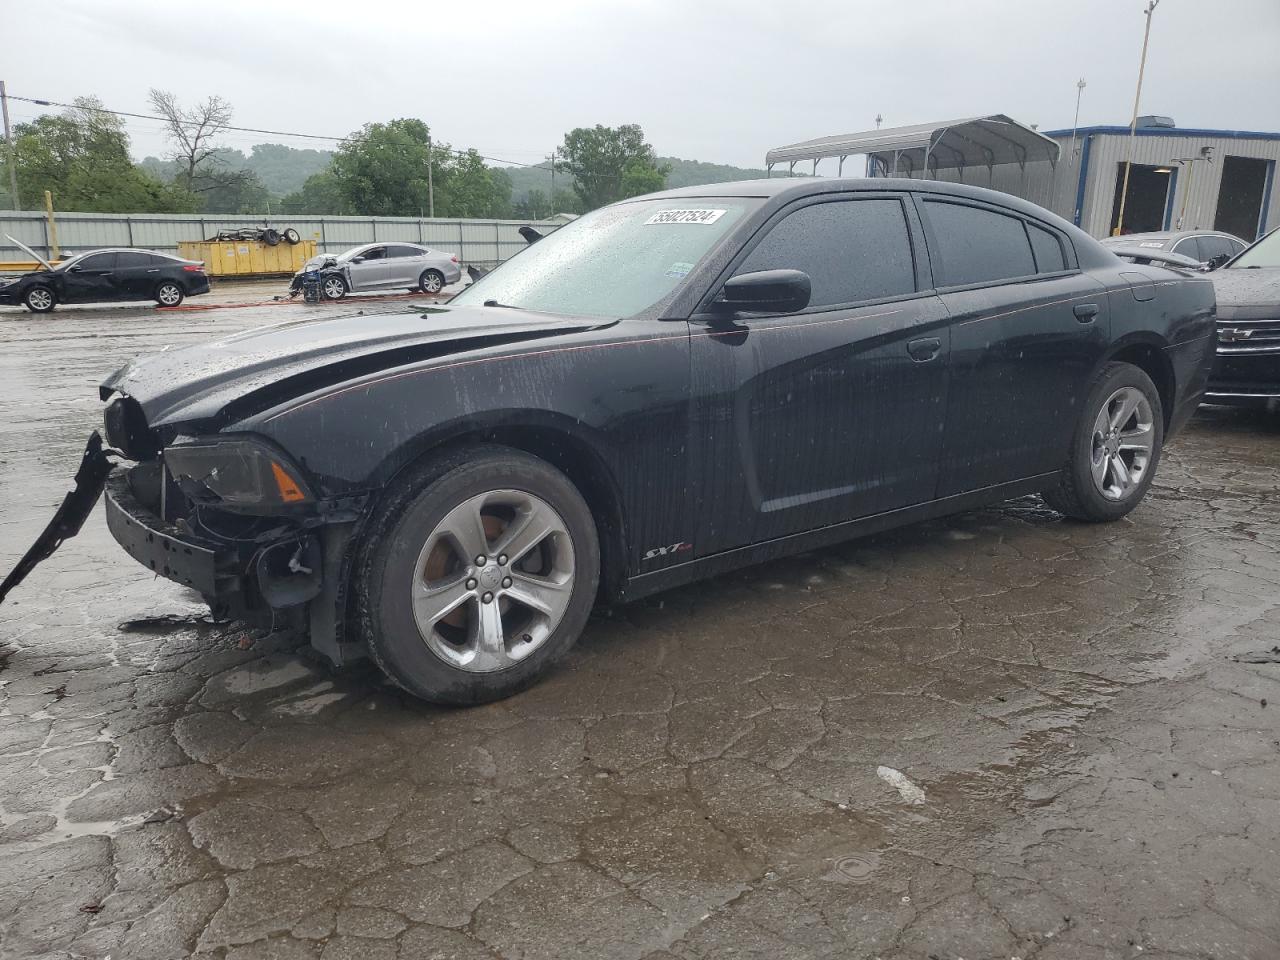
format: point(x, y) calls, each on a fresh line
point(373, 253)
point(976, 245)
point(614, 262)
point(97, 261)
point(1190, 247)
point(852, 250)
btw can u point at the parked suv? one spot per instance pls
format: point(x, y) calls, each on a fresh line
point(1247, 371)
point(381, 266)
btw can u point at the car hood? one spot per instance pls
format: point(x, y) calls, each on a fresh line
point(226, 380)
point(1247, 293)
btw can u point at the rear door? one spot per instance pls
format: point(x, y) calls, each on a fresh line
point(1028, 329)
point(137, 274)
point(404, 264)
point(835, 412)
point(90, 279)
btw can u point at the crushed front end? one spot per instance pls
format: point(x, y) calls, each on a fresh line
point(233, 517)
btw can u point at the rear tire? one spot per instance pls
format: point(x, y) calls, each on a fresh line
point(1115, 448)
point(40, 299)
point(422, 595)
point(169, 294)
point(431, 281)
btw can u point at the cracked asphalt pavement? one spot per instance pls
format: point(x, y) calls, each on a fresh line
point(999, 735)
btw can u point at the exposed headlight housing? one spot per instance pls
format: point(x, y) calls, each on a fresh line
point(238, 473)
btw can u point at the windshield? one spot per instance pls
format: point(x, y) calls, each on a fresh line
point(1264, 253)
point(613, 262)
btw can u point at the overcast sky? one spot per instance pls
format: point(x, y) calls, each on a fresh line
point(716, 80)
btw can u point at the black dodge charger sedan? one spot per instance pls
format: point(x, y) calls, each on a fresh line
point(1247, 372)
point(108, 275)
point(667, 388)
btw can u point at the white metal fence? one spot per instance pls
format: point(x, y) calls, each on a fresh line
point(479, 242)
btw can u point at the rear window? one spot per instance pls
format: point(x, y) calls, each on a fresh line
point(977, 245)
point(1047, 248)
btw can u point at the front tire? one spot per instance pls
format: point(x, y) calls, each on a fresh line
point(169, 294)
point(431, 281)
point(40, 299)
point(480, 572)
point(333, 288)
point(1115, 449)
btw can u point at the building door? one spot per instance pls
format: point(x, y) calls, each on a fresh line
point(1244, 183)
point(1148, 198)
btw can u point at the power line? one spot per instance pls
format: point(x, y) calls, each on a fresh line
point(258, 130)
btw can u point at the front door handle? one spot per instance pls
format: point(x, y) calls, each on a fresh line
point(1085, 312)
point(924, 349)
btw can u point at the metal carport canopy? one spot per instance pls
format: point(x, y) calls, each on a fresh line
point(950, 145)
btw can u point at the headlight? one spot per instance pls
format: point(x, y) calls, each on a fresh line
point(236, 472)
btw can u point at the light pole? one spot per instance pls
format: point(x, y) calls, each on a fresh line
point(1133, 124)
point(13, 156)
point(1075, 124)
point(431, 189)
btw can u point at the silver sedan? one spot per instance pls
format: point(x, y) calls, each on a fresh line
point(382, 266)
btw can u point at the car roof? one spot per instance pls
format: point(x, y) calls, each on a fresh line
point(158, 253)
point(1169, 235)
point(775, 187)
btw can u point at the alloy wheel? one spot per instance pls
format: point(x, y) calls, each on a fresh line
point(40, 299)
point(1123, 440)
point(334, 288)
point(169, 295)
point(493, 580)
point(432, 282)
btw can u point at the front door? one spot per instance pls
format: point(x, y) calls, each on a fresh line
point(89, 279)
point(807, 419)
point(371, 272)
point(1027, 331)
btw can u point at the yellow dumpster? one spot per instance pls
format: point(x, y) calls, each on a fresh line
point(248, 258)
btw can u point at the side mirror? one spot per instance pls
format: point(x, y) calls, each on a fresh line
point(357, 259)
point(767, 291)
point(1215, 262)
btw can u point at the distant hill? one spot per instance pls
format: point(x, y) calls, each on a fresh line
point(684, 173)
point(282, 170)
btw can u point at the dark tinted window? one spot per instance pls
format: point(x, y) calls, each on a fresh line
point(1048, 249)
point(1189, 247)
point(98, 261)
point(1211, 247)
point(402, 251)
point(130, 258)
point(852, 250)
point(978, 246)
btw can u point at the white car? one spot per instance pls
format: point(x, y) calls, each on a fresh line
point(381, 266)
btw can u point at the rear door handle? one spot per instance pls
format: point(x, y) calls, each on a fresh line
point(924, 349)
point(1085, 312)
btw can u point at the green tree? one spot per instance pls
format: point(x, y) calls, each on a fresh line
point(322, 193)
point(611, 163)
point(535, 205)
point(382, 171)
point(82, 157)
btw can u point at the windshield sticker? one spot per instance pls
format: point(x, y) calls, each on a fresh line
point(686, 216)
point(1152, 243)
point(678, 269)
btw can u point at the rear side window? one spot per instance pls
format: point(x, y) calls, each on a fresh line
point(852, 250)
point(1047, 248)
point(399, 251)
point(127, 258)
point(978, 246)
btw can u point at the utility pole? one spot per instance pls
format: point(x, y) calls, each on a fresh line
point(552, 198)
point(1075, 124)
point(431, 190)
point(13, 156)
point(1133, 124)
point(879, 120)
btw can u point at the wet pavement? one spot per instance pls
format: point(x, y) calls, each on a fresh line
point(999, 735)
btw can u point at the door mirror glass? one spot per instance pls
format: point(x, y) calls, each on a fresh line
point(767, 291)
point(357, 259)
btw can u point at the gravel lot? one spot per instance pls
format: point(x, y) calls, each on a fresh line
point(999, 735)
